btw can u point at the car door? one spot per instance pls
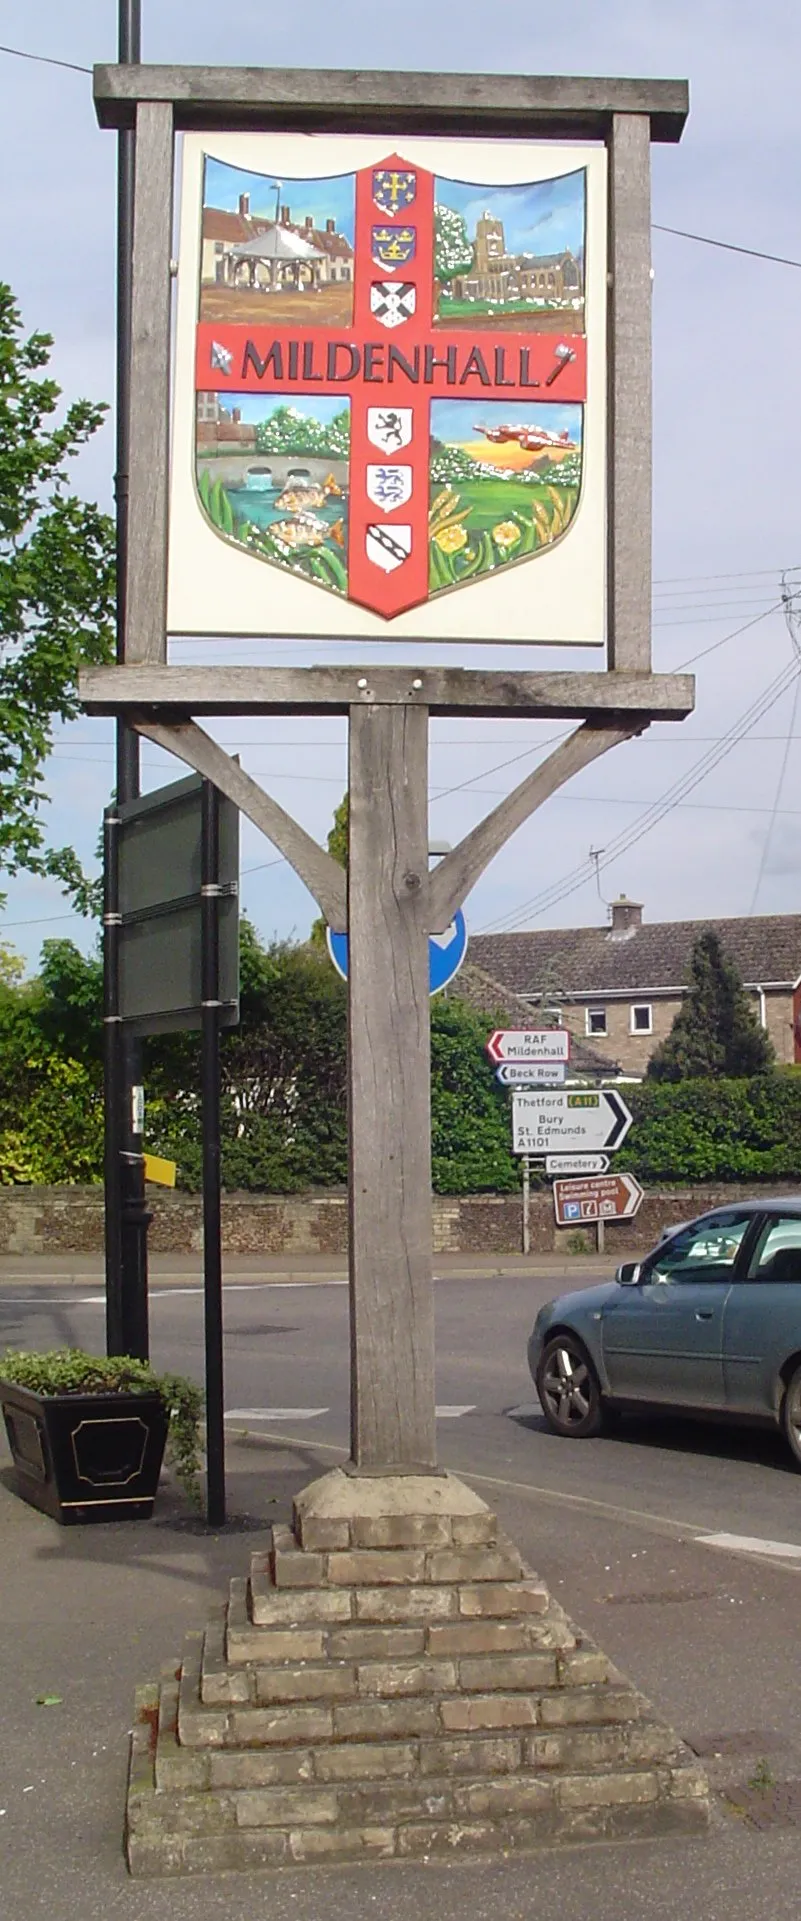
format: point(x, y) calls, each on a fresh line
point(762, 1317)
point(663, 1338)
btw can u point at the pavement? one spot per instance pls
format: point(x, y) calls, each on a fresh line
point(622, 1529)
point(174, 1270)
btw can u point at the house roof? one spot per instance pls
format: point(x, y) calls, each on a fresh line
point(277, 243)
point(219, 224)
point(581, 962)
point(490, 997)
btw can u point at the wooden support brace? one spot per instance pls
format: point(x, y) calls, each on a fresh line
point(452, 881)
point(321, 873)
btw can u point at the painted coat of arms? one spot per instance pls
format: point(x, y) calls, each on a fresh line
point(390, 375)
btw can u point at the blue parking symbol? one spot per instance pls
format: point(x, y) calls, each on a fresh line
point(572, 1210)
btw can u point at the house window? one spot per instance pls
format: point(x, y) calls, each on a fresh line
point(595, 1020)
point(642, 1018)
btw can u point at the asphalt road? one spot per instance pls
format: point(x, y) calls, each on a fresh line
point(617, 1528)
point(286, 1371)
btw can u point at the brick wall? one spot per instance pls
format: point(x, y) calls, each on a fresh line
point(69, 1220)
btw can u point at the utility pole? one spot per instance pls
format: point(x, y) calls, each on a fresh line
point(126, 1214)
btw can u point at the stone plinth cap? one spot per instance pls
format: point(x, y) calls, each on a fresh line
point(343, 1497)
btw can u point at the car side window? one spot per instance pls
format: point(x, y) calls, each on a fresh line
point(706, 1251)
point(777, 1255)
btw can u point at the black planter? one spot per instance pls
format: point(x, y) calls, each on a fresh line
point(86, 1457)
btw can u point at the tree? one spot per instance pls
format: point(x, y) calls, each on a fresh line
point(56, 591)
point(453, 252)
point(337, 844)
point(716, 1032)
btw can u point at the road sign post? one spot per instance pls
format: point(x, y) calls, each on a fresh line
point(544, 1122)
point(601, 1197)
point(529, 1046)
point(531, 1073)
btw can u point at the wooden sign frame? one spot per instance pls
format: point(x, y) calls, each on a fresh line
point(390, 902)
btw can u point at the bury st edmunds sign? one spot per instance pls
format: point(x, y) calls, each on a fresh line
point(390, 403)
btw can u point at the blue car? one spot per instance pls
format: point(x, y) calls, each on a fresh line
point(708, 1323)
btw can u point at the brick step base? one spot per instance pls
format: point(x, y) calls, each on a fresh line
point(406, 1693)
point(241, 1810)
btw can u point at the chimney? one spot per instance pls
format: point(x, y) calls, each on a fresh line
point(626, 917)
point(330, 226)
point(284, 216)
point(309, 222)
point(244, 206)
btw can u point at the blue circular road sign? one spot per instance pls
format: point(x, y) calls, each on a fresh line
point(445, 952)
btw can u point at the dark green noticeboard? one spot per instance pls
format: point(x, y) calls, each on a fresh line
point(159, 900)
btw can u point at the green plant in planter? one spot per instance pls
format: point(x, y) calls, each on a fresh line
point(67, 1370)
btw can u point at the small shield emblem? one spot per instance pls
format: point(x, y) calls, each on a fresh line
point(393, 301)
point(388, 546)
point(389, 428)
point(389, 487)
point(393, 190)
point(393, 246)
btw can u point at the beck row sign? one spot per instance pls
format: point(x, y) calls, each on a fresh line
point(389, 391)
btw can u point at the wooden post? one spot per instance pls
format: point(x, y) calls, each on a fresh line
point(391, 1285)
point(629, 406)
point(146, 595)
point(526, 1205)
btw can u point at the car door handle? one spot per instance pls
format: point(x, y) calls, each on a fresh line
point(703, 1314)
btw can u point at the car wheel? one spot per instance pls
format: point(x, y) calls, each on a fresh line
point(568, 1387)
point(791, 1415)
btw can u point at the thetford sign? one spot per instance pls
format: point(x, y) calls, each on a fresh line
point(390, 390)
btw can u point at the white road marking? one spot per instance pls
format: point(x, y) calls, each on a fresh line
point(453, 1413)
point(751, 1544)
point(274, 1413)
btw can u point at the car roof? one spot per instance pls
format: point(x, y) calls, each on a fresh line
point(766, 1204)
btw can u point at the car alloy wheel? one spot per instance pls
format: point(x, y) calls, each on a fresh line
point(791, 1416)
point(567, 1385)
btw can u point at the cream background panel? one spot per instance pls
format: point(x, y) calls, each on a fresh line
point(216, 589)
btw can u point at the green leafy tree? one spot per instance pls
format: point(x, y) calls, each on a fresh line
point(56, 591)
point(470, 1133)
point(337, 844)
point(453, 252)
point(715, 1032)
point(288, 431)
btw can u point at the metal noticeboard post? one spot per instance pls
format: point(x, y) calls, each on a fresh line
point(172, 964)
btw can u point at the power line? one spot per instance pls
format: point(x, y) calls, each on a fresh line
point(43, 60)
point(729, 246)
point(576, 877)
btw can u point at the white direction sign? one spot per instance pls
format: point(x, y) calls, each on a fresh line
point(547, 1123)
point(562, 1164)
point(531, 1073)
point(529, 1044)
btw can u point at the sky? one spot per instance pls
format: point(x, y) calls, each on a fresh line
point(455, 420)
point(332, 199)
point(542, 218)
point(258, 407)
point(727, 388)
